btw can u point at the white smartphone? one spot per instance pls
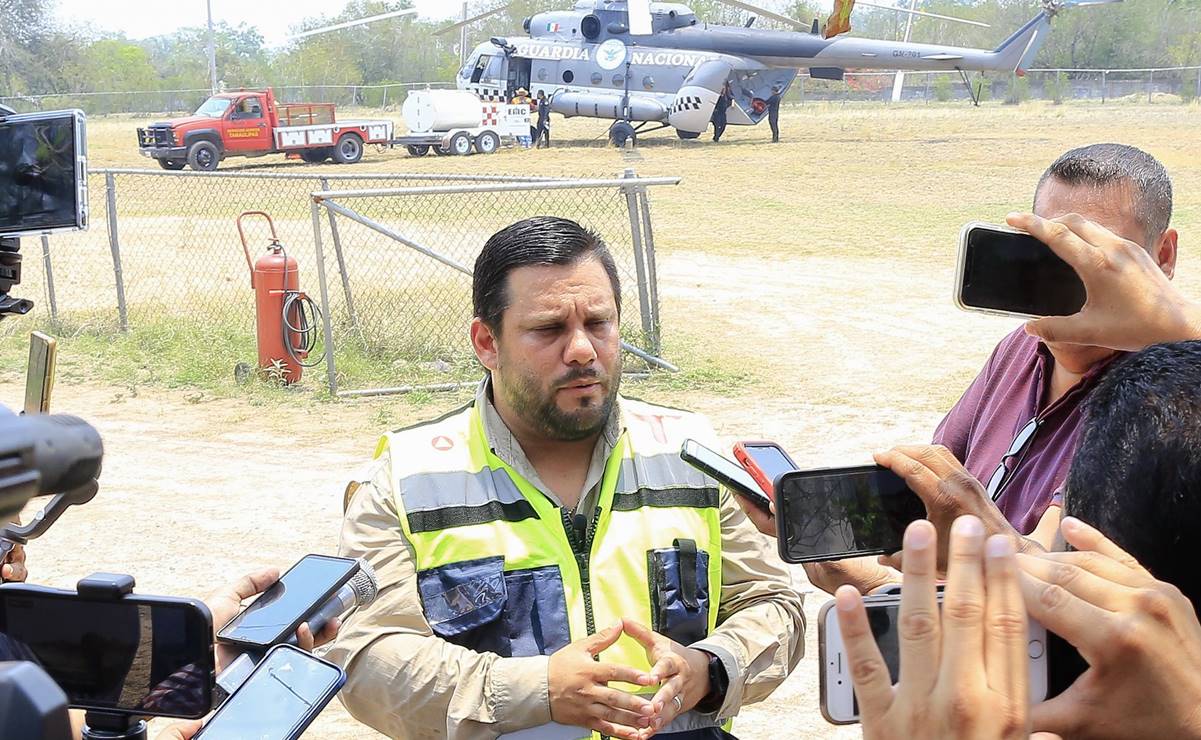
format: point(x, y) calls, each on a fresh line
point(1010, 273)
point(838, 703)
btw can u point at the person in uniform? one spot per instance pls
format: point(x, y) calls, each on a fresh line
point(549, 567)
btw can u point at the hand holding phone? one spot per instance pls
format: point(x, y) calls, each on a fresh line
point(1011, 273)
point(836, 513)
point(275, 615)
point(968, 663)
point(279, 700)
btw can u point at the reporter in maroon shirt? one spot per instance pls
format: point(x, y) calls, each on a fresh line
point(1016, 427)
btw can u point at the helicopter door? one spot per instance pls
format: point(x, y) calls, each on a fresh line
point(519, 73)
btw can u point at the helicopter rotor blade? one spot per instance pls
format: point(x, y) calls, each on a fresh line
point(935, 15)
point(801, 25)
point(352, 24)
point(639, 12)
point(467, 22)
point(767, 14)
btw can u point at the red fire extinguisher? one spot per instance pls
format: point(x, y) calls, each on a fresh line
point(285, 317)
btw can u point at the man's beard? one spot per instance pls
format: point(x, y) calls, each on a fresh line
point(538, 409)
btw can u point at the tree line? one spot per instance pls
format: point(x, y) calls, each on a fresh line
point(39, 56)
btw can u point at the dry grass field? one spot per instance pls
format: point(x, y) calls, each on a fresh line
point(806, 293)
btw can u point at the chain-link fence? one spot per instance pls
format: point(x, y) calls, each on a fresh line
point(403, 260)
point(1167, 84)
point(1174, 84)
point(162, 260)
point(382, 97)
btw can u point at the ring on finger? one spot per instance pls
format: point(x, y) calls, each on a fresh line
point(678, 702)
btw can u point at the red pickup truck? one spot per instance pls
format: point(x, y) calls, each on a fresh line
point(250, 123)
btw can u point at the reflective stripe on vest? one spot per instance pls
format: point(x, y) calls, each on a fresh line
point(494, 558)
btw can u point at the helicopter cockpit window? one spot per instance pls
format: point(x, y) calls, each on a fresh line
point(487, 67)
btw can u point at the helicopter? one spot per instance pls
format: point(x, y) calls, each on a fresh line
point(649, 66)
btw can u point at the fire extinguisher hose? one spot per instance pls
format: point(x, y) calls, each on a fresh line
point(308, 317)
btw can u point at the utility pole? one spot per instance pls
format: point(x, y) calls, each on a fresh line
point(463, 37)
point(212, 50)
point(899, 83)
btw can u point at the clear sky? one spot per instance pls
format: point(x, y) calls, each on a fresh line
point(139, 19)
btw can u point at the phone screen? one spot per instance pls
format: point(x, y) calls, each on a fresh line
point(287, 689)
point(725, 470)
point(151, 657)
point(841, 513)
point(279, 610)
point(1016, 273)
point(770, 459)
point(39, 186)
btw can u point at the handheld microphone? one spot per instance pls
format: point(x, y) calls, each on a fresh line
point(360, 590)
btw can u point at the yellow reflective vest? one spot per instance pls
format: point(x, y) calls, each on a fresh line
point(502, 569)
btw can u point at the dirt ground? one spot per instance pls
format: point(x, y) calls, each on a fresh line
point(818, 272)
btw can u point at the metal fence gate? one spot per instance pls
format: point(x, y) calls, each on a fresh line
point(403, 260)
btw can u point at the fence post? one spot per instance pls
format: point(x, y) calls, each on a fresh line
point(1104, 87)
point(49, 278)
point(331, 369)
point(1150, 86)
point(1198, 83)
point(648, 232)
point(384, 102)
point(114, 244)
point(644, 298)
point(337, 239)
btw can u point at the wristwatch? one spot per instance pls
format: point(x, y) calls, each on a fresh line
point(719, 683)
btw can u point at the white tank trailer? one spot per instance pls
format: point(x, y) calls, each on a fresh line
point(458, 122)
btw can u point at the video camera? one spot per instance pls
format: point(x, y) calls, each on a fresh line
point(43, 186)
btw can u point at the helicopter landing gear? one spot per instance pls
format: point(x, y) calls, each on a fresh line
point(621, 132)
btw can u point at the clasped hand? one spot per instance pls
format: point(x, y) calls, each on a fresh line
point(579, 683)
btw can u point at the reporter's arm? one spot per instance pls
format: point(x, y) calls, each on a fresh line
point(760, 635)
point(401, 679)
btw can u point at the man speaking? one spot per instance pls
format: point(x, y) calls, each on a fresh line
point(548, 565)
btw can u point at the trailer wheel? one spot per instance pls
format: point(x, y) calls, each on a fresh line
point(171, 164)
point(418, 150)
point(349, 149)
point(315, 156)
point(460, 144)
point(442, 151)
point(203, 156)
point(487, 142)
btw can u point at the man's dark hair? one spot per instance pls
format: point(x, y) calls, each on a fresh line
point(543, 240)
point(1102, 165)
point(1137, 471)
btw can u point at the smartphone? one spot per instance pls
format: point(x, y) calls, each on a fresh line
point(1008, 272)
point(142, 655)
point(274, 616)
point(725, 471)
point(765, 461)
point(43, 173)
point(39, 374)
point(279, 700)
point(838, 703)
point(836, 513)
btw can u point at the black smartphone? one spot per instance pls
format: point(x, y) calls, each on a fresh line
point(43, 173)
point(1009, 272)
point(725, 471)
point(141, 655)
point(274, 616)
point(837, 513)
point(284, 694)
